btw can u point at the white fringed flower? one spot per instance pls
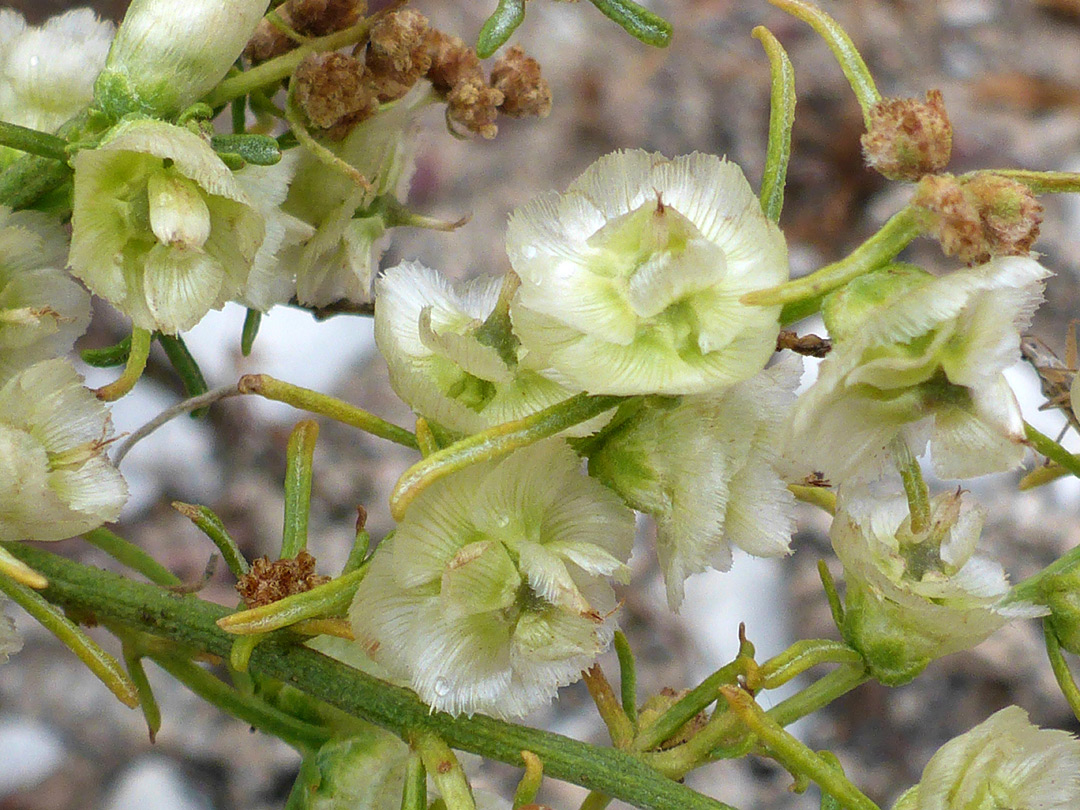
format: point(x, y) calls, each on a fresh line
point(631, 280)
point(705, 469)
point(492, 592)
point(913, 597)
point(338, 261)
point(168, 55)
point(1004, 763)
point(160, 227)
point(55, 479)
point(916, 355)
point(445, 362)
point(43, 310)
point(47, 73)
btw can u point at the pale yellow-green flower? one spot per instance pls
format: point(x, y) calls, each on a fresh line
point(167, 55)
point(493, 592)
point(160, 227)
point(922, 358)
point(631, 280)
point(705, 467)
point(55, 479)
point(43, 310)
point(912, 596)
point(449, 359)
point(1004, 763)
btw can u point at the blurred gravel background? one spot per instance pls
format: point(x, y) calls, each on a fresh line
point(1008, 70)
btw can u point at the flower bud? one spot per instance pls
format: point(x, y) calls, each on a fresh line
point(1004, 762)
point(907, 138)
point(980, 218)
point(168, 55)
point(1058, 588)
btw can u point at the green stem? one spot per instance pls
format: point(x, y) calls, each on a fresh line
point(875, 252)
point(627, 677)
point(210, 525)
point(781, 120)
point(29, 179)
point(103, 665)
point(793, 754)
point(131, 556)
point(1061, 668)
point(189, 621)
point(844, 50)
point(312, 401)
point(304, 737)
point(185, 366)
point(275, 70)
point(299, 462)
point(1044, 475)
point(133, 369)
point(414, 791)
point(1052, 450)
point(1039, 182)
point(918, 494)
point(819, 694)
point(803, 655)
point(493, 443)
point(33, 142)
point(618, 725)
point(446, 772)
point(595, 801)
point(331, 599)
point(147, 702)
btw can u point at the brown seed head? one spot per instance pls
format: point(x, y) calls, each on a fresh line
point(475, 106)
point(907, 138)
point(979, 219)
point(452, 61)
point(331, 90)
point(397, 55)
point(313, 18)
point(525, 91)
point(268, 582)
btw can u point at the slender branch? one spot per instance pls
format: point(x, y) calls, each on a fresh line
point(167, 415)
point(1064, 677)
point(131, 555)
point(188, 620)
point(33, 142)
point(1052, 450)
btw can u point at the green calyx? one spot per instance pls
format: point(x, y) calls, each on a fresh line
point(845, 310)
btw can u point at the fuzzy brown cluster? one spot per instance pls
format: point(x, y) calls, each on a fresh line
point(268, 581)
point(978, 219)
point(310, 18)
point(397, 55)
point(907, 139)
point(332, 91)
point(525, 92)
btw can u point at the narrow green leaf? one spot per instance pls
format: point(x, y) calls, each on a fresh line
point(250, 330)
point(186, 368)
point(638, 22)
point(108, 356)
point(508, 15)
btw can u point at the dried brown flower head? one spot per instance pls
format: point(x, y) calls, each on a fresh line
point(268, 581)
point(452, 61)
point(907, 138)
point(978, 219)
point(331, 90)
point(313, 18)
point(397, 55)
point(525, 91)
point(474, 105)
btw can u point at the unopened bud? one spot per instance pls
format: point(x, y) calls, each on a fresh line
point(474, 105)
point(907, 138)
point(313, 18)
point(397, 55)
point(452, 61)
point(525, 91)
point(981, 218)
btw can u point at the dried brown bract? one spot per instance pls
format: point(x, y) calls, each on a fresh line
point(312, 18)
point(397, 54)
point(332, 91)
point(452, 62)
point(981, 218)
point(474, 105)
point(907, 138)
point(268, 581)
point(525, 91)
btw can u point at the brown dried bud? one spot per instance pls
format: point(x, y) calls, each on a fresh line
point(313, 18)
point(397, 55)
point(475, 106)
point(981, 218)
point(332, 92)
point(452, 62)
point(268, 582)
point(525, 91)
point(907, 138)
